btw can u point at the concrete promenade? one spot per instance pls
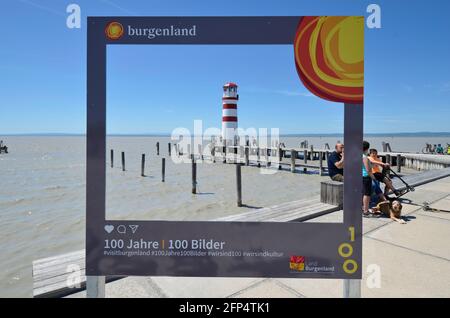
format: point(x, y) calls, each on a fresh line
point(414, 260)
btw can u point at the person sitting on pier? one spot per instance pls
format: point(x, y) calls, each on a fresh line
point(439, 149)
point(336, 163)
point(379, 170)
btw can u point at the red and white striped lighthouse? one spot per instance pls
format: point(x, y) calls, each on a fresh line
point(229, 112)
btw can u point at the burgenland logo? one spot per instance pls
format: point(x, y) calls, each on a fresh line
point(114, 30)
point(297, 263)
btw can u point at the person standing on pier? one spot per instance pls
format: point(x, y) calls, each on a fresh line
point(336, 163)
point(367, 179)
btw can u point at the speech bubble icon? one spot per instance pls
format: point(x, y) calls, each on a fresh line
point(122, 229)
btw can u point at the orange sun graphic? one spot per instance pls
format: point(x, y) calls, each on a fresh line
point(114, 30)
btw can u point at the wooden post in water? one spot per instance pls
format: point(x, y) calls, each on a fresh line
point(194, 174)
point(163, 168)
point(320, 164)
point(224, 153)
point(241, 154)
point(157, 148)
point(239, 184)
point(213, 153)
point(123, 161)
point(258, 155)
point(247, 155)
point(143, 165)
point(293, 156)
point(399, 163)
point(305, 159)
point(199, 150)
point(388, 147)
point(280, 157)
point(112, 158)
point(311, 155)
point(388, 159)
point(169, 148)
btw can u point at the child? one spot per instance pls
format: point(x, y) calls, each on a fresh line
point(391, 210)
point(367, 180)
point(377, 166)
point(368, 183)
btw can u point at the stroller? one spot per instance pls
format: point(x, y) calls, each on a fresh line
point(387, 174)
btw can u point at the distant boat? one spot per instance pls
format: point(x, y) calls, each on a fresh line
point(3, 148)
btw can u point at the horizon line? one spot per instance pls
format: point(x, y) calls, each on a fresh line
point(150, 134)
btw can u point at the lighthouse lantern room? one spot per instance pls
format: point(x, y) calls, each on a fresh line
point(229, 113)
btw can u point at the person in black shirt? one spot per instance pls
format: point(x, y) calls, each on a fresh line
point(336, 163)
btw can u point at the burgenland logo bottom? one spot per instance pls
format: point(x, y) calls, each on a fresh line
point(300, 264)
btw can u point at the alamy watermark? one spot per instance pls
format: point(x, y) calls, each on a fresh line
point(73, 21)
point(240, 145)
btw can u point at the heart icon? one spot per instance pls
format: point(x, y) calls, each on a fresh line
point(109, 228)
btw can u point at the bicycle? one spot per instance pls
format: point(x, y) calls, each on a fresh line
point(428, 149)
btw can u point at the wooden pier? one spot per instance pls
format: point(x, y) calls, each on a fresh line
point(296, 160)
point(52, 275)
point(293, 159)
point(316, 159)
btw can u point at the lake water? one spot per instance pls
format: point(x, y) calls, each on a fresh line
point(42, 193)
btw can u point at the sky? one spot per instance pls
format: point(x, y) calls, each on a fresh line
point(154, 89)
